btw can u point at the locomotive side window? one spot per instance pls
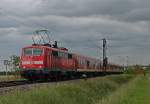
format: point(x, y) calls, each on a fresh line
point(28, 51)
point(69, 56)
point(37, 51)
point(55, 53)
point(64, 55)
point(60, 54)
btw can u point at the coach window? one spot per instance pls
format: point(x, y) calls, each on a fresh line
point(59, 54)
point(79, 61)
point(88, 63)
point(66, 55)
point(63, 55)
point(55, 53)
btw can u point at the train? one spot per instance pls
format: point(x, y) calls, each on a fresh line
point(46, 62)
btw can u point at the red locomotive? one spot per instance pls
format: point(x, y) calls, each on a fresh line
point(45, 62)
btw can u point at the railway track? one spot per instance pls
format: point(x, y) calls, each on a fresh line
point(4, 84)
point(14, 83)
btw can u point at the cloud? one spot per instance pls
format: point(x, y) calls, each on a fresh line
point(79, 25)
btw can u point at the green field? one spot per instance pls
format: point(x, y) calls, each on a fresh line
point(135, 92)
point(79, 92)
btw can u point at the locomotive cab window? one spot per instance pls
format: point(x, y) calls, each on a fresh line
point(28, 51)
point(32, 51)
point(37, 51)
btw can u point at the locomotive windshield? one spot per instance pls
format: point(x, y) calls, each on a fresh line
point(28, 51)
point(37, 51)
point(32, 51)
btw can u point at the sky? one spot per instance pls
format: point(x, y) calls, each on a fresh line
point(80, 25)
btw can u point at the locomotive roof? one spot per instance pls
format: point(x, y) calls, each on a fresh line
point(57, 49)
point(42, 46)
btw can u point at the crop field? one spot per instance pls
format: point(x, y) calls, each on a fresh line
point(91, 91)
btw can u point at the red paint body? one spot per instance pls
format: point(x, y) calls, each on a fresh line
point(46, 60)
point(49, 60)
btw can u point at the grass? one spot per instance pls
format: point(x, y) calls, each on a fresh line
point(136, 92)
point(82, 92)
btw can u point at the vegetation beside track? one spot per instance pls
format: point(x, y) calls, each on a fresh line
point(135, 92)
point(88, 91)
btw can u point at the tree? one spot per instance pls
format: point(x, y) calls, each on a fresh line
point(14, 61)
